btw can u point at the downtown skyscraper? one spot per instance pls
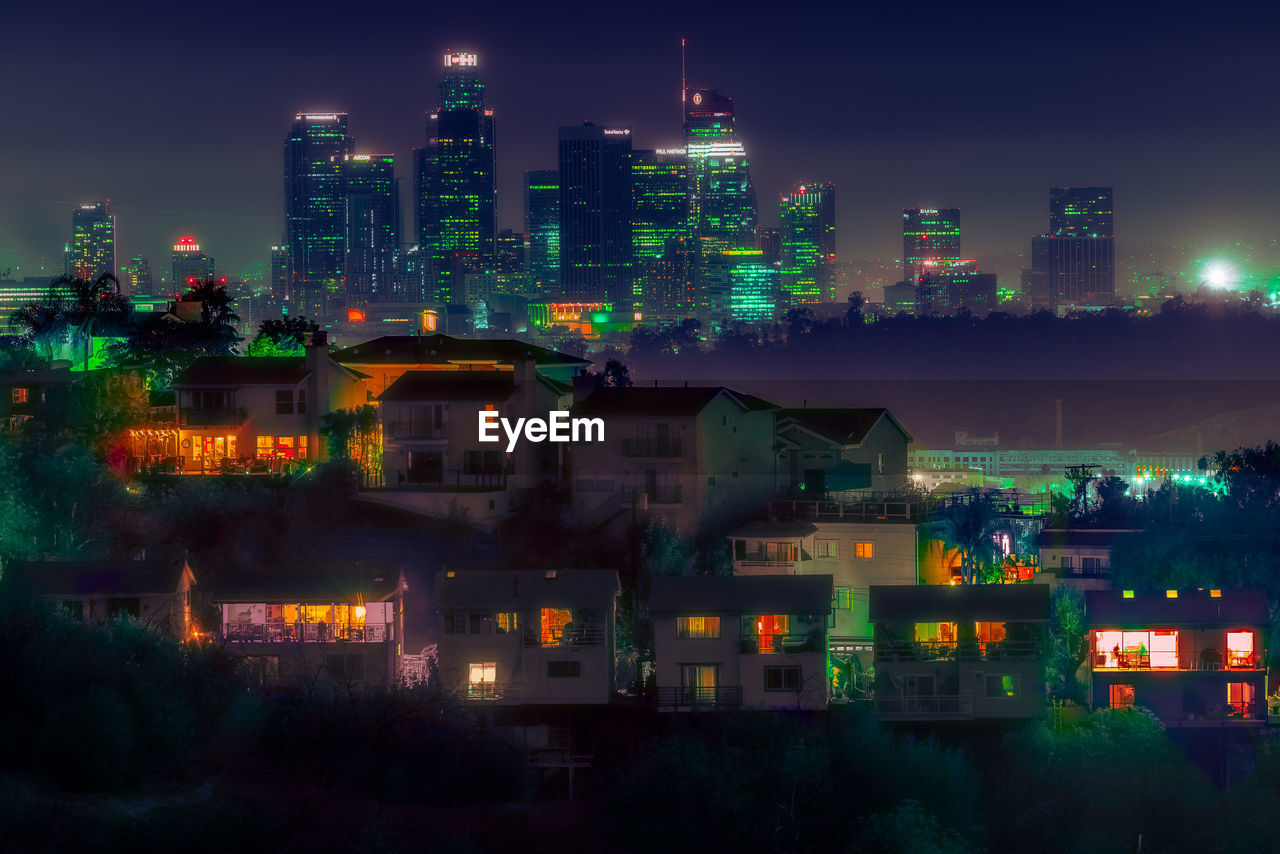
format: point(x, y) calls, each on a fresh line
point(929, 236)
point(315, 226)
point(542, 225)
point(454, 181)
point(92, 248)
point(808, 243)
point(595, 215)
point(190, 265)
point(722, 198)
point(661, 243)
point(371, 215)
point(1073, 265)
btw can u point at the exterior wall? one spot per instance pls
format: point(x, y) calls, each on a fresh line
point(167, 612)
point(884, 448)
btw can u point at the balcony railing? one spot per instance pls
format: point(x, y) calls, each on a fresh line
point(779, 644)
point(718, 695)
point(220, 417)
point(439, 480)
point(1210, 661)
point(664, 448)
point(490, 691)
point(962, 651)
point(306, 633)
point(938, 705)
point(589, 634)
point(664, 494)
point(413, 430)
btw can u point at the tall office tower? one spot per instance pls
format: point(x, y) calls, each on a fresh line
point(722, 199)
point(660, 230)
point(454, 180)
point(280, 273)
point(1076, 259)
point(1081, 212)
point(92, 248)
point(191, 265)
point(371, 216)
point(315, 216)
point(135, 277)
point(808, 244)
point(595, 215)
point(769, 242)
point(946, 292)
point(738, 286)
point(510, 251)
point(929, 235)
point(542, 225)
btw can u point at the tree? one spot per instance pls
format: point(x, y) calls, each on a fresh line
point(94, 304)
point(164, 345)
point(613, 375)
point(854, 316)
point(1068, 643)
point(282, 336)
point(968, 524)
point(44, 325)
point(355, 435)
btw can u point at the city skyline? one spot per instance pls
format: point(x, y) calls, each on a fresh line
point(179, 179)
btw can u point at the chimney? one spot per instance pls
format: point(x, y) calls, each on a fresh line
point(319, 384)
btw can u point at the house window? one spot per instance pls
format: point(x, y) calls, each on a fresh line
point(284, 447)
point(1121, 696)
point(864, 550)
point(936, 633)
point(481, 624)
point(455, 624)
point(302, 447)
point(507, 623)
point(302, 401)
point(698, 683)
point(770, 631)
point(20, 395)
point(266, 447)
point(698, 628)
point(1240, 697)
point(1067, 561)
point(782, 678)
point(1240, 649)
point(843, 599)
point(828, 548)
point(988, 633)
point(481, 676)
point(1136, 650)
point(284, 402)
point(554, 621)
point(563, 669)
point(780, 552)
point(1004, 685)
point(1090, 564)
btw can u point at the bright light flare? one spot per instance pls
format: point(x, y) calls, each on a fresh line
point(1221, 275)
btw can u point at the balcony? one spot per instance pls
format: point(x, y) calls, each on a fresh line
point(225, 416)
point(413, 430)
point(437, 480)
point(306, 633)
point(654, 448)
point(664, 494)
point(962, 651)
point(589, 634)
point(934, 706)
point(488, 692)
point(727, 696)
point(781, 644)
point(1208, 660)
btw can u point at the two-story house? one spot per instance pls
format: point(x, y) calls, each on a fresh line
point(527, 637)
point(381, 361)
point(23, 391)
point(963, 652)
point(755, 642)
point(840, 453)
point(433, 459)
point(260, 412)
point(1078, 556)
point(698, 458)
point(1193, 657)
point(154, 592)
point(297, 627)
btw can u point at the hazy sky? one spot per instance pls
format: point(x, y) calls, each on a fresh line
point(179, 113)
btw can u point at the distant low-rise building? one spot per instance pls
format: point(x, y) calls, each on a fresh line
point(526, 637)
point(1081, 557)
point(1195, 658)
point(741, 642)
point(963, 652)
point(840, 453)
point(153, 592)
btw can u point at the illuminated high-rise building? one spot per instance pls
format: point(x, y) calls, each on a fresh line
point(191, 265)
point(542, 225)
point(722, 198)
point(279, 272)
point(454, 180)
point(135, 277)
point(595, 215)
point(371, 211)
point(929, 236)
point(315, 214)
point(808, 243)
point(1075, 262)
point(92, 248)
point(662, 281)
point(739, 286)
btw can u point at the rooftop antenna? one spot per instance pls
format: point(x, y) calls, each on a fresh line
point(684, 87)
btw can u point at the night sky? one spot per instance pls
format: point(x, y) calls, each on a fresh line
point(179, 112)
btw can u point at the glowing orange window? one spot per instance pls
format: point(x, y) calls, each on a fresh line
point(771, 629)
point(554, 621)
point(1240, 649)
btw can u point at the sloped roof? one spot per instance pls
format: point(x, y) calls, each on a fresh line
point(1059, 538)
point(773, 529)
point(90, 577)
point(843, 426)
point(515, 589)
point(451, 385)
point(1109, 608)
point(308, 586)
point(742, 594)
point(944, 602)
point(662, 400)
point(244, 370)
point(440, 349)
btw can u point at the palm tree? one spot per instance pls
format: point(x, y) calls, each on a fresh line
point(93, 303)
point(43, 325)
point(968, 525)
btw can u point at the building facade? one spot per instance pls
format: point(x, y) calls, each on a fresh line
point(595, 215)
point(808, 243)
point(314, 211)
point(928, 235)
point(371, 214)
point(542, 225)
point(92, 248)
